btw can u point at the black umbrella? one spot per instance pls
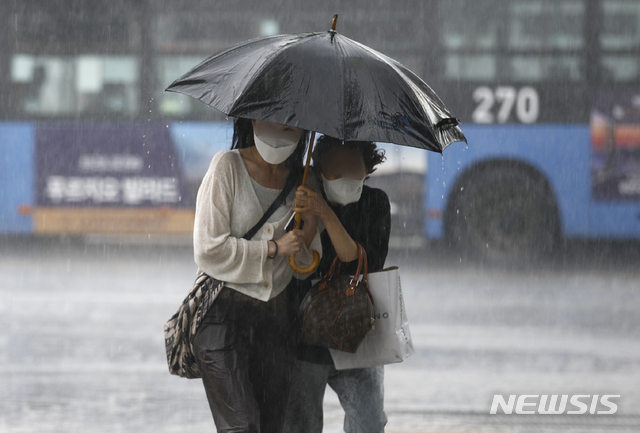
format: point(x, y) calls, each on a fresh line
point(323, 82)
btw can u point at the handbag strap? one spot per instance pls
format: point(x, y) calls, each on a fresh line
point(362, 257)
point(356, 279)
point(291, 181)
point(362, 263)
point(366, 263)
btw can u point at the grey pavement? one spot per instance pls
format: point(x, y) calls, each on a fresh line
point(81, 344)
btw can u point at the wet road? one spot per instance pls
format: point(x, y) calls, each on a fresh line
point(81, 344)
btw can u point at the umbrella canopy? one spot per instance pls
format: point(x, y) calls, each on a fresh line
point(323, 82)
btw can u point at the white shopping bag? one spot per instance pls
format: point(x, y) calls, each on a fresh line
point(390, 341)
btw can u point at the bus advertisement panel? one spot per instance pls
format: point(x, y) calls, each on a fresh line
point(615, 146)
point(107, 178)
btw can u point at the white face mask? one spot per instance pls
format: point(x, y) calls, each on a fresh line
point(274, 150)
point(342, 191)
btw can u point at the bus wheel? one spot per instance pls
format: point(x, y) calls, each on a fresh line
point(503, 216)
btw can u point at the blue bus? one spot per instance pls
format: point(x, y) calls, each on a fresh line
point(549, 97)
point(548, 92)
point(89, 141)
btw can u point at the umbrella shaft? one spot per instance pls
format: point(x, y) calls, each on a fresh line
point(304, 179)
point(306, 167)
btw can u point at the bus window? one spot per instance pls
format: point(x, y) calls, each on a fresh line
point(543, 25)
point(546, 68)
point(621, 25)
point(183, 38)
point(621, 68)
point(470, 35)
point(71, 85)
point(168, 68)
point(470, 67)
point(470, 24)
point(620, 41)
point(519, 41)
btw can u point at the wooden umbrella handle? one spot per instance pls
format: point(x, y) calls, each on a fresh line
point(311, 268)
point(316, 256)
point(334, 21)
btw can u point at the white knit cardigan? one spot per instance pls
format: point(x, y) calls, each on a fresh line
point(226, 209)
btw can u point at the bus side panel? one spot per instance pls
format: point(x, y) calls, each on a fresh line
point(16, 177)
point(560, 152)
point(615, 220)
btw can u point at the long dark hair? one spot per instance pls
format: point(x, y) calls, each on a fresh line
point(243, 138)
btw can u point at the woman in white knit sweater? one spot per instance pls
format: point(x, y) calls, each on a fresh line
point(243, 344)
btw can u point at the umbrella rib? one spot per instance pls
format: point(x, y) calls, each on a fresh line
point(344, 93)
point(375, 82)
point(243, 46)
point(424, 105)
point(222, 54)
point(269, 60)
point(435, 112)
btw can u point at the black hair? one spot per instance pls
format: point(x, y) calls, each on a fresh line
point(243, 138)
point(371, 155)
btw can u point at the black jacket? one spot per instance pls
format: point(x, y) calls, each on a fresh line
point(368, 222)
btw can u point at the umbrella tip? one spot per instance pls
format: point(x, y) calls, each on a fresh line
point(333, 23)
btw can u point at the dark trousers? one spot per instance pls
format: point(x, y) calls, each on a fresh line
point(244, 351)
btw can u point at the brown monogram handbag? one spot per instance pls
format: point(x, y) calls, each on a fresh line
point(338, 310)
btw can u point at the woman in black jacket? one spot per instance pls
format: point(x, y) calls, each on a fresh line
point(350, 212)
